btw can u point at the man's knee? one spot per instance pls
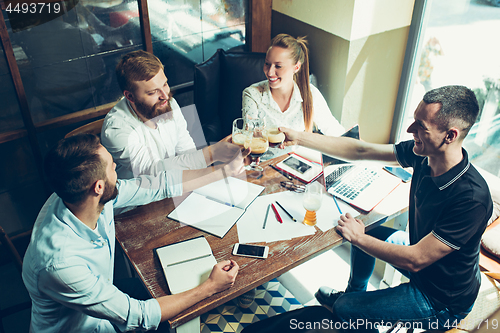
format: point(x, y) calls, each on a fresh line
point(343, 308)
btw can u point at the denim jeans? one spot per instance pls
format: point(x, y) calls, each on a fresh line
point(362, 311)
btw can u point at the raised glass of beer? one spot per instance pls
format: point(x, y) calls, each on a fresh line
point(275, 137)
point(240, 131)
point(257, 141)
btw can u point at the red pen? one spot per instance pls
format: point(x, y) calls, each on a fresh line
point(278, 217)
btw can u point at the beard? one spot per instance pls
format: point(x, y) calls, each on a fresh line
point(150, 112)
point(110, 192)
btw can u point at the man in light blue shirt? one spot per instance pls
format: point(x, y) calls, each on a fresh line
point(68, 267)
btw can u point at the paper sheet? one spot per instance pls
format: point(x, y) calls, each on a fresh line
point(250, 224)
point(328, 214)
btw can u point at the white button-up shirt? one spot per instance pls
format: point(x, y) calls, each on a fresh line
point(140, 150)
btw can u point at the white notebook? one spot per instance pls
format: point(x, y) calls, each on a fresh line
point(215, 208)
point(186, 264)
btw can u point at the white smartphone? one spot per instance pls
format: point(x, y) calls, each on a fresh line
point(254, 251)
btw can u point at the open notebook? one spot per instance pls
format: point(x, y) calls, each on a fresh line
point(215, 207)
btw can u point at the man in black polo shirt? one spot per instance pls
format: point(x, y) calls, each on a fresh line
point(450, 205)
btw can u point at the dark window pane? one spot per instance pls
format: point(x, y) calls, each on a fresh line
point(225, 39)
point(179, 65)
point(10, 117)
point(67, 63)
point(112, 24)
point(186, 34)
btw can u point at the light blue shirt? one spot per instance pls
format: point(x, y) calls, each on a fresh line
point(68, 268)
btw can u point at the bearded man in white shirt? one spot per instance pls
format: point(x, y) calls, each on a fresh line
point(146, 132)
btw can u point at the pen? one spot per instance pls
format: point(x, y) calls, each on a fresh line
point(265, 219)
point(287, 213)
point(278, 217)
point(220, 201)
point(284, 174)
point(336, 203)
point(190, 259)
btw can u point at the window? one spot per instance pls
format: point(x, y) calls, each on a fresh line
point(188, 33)
point(66, 52)
point(458, 45)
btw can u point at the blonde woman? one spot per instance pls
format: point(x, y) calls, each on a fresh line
point(287, 98)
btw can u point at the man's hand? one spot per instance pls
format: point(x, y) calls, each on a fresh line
point(237, 164)
point(291, 137)
point(223, 275)
point(223, 151)
point(247, 159)
point(221, 278)
point(350, 228)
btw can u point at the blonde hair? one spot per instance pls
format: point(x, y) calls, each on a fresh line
point(299, 52)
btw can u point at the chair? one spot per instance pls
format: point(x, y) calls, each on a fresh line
point(93, 128)
point(490, 265)
point(6, 243)
point(218, 87)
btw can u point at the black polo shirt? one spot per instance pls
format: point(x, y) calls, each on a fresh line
point(455, 208)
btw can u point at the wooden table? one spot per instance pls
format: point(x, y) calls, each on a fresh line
point(146, 228)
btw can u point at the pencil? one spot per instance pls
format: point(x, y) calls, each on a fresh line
point(265, 219)
point(287, 213)
point(337, 204)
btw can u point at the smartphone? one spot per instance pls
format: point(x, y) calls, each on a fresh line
point(401, 173)
point(254, 251)
point(296, 164)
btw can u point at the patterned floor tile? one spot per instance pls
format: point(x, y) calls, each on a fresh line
point(216, 324)
point(271, 298)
